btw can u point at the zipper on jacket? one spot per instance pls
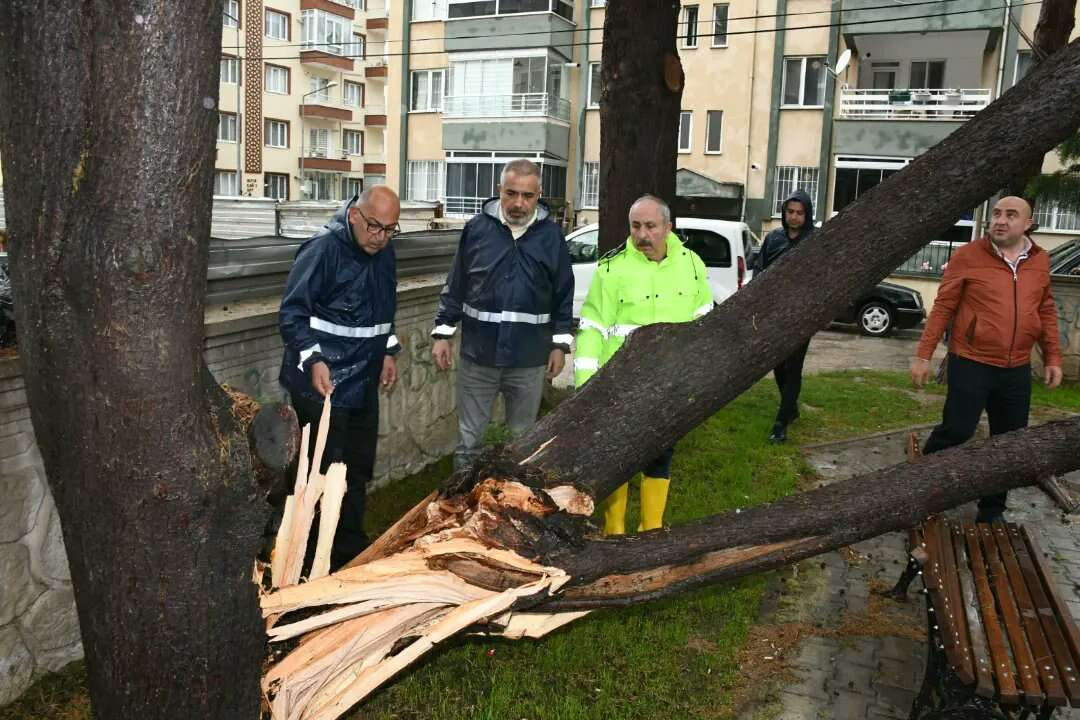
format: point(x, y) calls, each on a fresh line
point(1016, 315)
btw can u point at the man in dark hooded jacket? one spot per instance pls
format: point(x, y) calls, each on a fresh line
point(337, 324)
point(797, 219)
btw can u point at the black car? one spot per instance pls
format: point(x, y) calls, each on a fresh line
point(885, 308)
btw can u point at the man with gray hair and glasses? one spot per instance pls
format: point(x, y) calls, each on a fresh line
point(512, 290)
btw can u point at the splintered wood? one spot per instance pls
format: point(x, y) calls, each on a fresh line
point(363, 624)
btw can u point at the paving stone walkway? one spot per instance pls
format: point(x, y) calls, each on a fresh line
point(861, 660)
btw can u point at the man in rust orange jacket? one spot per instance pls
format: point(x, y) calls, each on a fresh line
point(995, 295)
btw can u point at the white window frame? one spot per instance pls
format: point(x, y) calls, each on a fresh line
point(429, 103)
point(727, 14)
point(437, 10)
point(346, 88)
point(1056, 216)
point(1016, 65)
point(347, 136)
point(230, 127)
point(594, 101)
point(273, 128)
point(426, 180)
point(325, 31)
point(233, 182)
point(351, 186)
point(230, 8)
point(276, 70)
point(797, 183)
point(598, 3)
point(282, 19)
point(231, 77)
point(709, 114)
point(590, 186)
point(802, 82)
point(690, 40)
point(274, 178)
point(688, 146)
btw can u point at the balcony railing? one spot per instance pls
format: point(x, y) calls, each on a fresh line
point(326, 151)
point(913, 104)
point(514, 105)
point(464, 206)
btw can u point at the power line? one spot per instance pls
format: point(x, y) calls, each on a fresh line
point(415, 53)
point(681, 24)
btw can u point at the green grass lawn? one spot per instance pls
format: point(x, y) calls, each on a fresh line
point(669, 659)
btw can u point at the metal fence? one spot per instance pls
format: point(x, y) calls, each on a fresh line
point(930, 260)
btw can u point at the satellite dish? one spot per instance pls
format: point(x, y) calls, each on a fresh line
point(842, 62)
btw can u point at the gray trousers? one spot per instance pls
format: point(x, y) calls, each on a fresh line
point(477, 386)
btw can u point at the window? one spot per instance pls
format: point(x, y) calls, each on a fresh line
point(427, 90)
point(851, 183)
point(1052, 217)
point(598, 3)
point(226, 182)
point(884, 74)
point(352, 94)
point(226, 129)
point(719, 25)
point(276, 185)
point(353, 141)
point(320, 90)
point(804, 81)
point(594, 84)
point(277, 25)
point(429, 10)
point(358, 48)
point(928, 74)
point(473, 8)
point(326, 32)
point(689, 23)
point(230, 70)
point(790, 178)
point(1023, 65)
point(277, 79)
point(320, 186)
point(230, 16)
point(590, 185)
point(714, 131)
point(426, 178)
point(277, 133)
point(713, 248)
point(351, 187)
point(686, 130)
point(319, 142)
point(469, 8)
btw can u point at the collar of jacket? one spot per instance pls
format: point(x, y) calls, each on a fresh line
point(493, 209)
point(988, 246)
point(341, 228)
point(674, 245)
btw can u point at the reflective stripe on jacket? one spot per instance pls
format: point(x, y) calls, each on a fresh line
point(628, 290)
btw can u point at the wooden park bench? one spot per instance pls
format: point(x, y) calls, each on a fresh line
point(1002, 644)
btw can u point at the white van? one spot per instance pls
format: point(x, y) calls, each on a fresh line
point(725, 246)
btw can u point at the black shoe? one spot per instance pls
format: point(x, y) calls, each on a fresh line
point(778, 434)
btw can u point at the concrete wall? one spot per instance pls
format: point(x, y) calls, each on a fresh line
point(39, 630)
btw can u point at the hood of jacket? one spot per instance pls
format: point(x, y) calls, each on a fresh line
point(808, 226)
point(491, 209)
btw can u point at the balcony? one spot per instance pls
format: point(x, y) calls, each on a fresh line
point(326, 107)
point(870, 17)
point(914, 104)
point(324, 157)
point(341, 8)
point(375, 116)
point(516, 105)
point(511, 31)
point(377, 70)
point(327, 59)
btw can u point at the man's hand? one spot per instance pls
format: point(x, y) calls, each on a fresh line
point(556, 360)
point(320, 379)
point(1052, 376)
point(389, 372)
point(441, 352)
point(920, 371)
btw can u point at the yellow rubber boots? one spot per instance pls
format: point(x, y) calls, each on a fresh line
point(614, 508)
point(654, 492)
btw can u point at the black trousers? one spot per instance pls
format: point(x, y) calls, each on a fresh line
point(353, 436)
point(788, 376)
point(1005, 394)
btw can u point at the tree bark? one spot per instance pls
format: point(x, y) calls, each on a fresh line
point(640, 100)
point(1052, 32)
point(107, 138)
point(667, 379)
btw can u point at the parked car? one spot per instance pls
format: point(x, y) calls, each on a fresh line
point(885, 308)
point(725, 246)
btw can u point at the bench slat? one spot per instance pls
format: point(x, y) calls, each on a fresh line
point(1010, 614)
point(954, 605)
point(1061, 610)
point(1062, 657)
point(935, 577)
point(1044, 661)
point(1001, 664)
point(980, 657)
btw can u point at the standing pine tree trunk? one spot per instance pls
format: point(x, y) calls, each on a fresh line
point(107, 138)
point(640, 100)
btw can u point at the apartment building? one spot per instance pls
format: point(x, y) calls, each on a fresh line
point(302, 98)
point(766, 110)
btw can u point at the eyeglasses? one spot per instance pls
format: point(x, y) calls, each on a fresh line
point(375, 227)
